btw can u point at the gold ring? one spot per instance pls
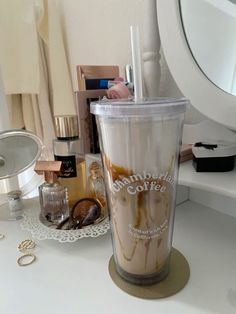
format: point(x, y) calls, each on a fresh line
point(26, 245)
point(2, 236)
point(20, 260)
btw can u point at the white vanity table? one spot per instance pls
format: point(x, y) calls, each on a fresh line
point(73, 277)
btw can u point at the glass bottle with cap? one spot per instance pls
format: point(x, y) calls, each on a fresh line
point(68, 148)
point(96, 185)
point(52, 195)
point(15, 204)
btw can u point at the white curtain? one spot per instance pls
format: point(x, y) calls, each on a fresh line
point(33, 111)
point(34, 65)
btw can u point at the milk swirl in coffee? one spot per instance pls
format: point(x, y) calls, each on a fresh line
point(140, 207)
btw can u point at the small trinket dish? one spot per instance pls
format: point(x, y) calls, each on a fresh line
point(41, 229)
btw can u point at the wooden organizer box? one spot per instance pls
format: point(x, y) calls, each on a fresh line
point(95, 72)
point(87, 123)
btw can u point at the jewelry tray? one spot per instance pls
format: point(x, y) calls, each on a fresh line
point(33, 223)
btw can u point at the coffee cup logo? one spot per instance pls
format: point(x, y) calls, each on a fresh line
point(144, 181)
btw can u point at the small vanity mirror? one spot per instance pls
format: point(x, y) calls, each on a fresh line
point(210, 29)
point(19, 150)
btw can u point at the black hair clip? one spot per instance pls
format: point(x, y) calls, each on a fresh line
point(205, 145)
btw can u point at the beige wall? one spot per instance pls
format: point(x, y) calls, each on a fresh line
point(97, 31)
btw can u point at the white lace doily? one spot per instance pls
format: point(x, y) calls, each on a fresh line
point(32, 223)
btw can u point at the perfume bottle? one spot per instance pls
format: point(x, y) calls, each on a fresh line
point(68, 149)
point(96, 185)
point(52, 195)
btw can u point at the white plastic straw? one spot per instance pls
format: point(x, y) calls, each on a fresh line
point(137, 62)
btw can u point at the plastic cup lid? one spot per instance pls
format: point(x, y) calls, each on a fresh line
point(144, 107)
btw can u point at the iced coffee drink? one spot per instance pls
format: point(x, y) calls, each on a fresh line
point(140, 148)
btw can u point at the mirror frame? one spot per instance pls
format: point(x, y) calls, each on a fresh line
point(206, 97)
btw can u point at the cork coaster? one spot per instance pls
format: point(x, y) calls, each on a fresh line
point(175, 281)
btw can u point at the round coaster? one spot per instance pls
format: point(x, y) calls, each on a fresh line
point(175, 281)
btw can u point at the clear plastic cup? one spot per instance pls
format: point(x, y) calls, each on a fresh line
point(140, 144)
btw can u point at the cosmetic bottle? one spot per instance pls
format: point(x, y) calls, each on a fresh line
point(15, 204)
point(68, 149)
point(96, 183)
point(52, 195)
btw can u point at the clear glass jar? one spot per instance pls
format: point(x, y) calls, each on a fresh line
point(15, 204)
point(53, 199)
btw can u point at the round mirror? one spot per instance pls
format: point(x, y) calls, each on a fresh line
point(19, 150)
point(210, 29)
point(197, 85)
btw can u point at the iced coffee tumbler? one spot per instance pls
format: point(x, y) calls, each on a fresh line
point(140, 142)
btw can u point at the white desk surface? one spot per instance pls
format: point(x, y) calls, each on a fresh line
point(222, 183)
point(73, 278)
